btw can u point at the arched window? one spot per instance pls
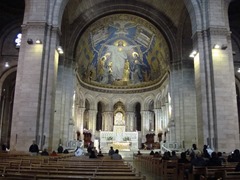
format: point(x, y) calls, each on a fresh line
point(138, 116)
point(99, 116)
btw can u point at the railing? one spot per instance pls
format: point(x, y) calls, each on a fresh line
point(170, 146)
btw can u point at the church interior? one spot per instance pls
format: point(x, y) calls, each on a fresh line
point(133, 74)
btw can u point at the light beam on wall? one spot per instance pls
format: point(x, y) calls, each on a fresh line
point(193, 54)
point(6, 64)
point(38, 41)
point(60, 50)
point(218, 46)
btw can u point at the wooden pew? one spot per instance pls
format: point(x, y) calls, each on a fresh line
point(27, 167)
point(231, 175)
point(170, 169)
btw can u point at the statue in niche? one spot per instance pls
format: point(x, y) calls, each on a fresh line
point(118, 119)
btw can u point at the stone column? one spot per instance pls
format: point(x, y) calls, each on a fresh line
point(158, 127)
point(130, 121)
point(33, 107)
point(79, 120)
point(108, 121)
point(216, 93)
point(164, 120)
point(92, 122)
point(145, 124)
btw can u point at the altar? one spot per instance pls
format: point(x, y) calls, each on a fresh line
point(119, 139)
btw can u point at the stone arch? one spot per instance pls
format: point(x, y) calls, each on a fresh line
point(106, 103)
point(7, 82)
point(80, 100)
point(162, 22)
point(194, 10)
point(6, 74)
point(157, 101)
point(147, 101)
point(131, 104)
point(91, 100)
point(58, 10)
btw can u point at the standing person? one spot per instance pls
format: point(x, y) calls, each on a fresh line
point(205, 152)
point(195, 150)
point(116, 156)
point(33, 149)
point(111, 151)
point(60, 149)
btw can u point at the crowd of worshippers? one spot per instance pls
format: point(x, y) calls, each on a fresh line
point(196, 157)
point(34, 150)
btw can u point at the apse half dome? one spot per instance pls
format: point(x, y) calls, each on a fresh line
point(122, 51)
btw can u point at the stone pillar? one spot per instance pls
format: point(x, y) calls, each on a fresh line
point(79, 120)
point(164, 119)
point(145, 124)
point(216, 93)
point(108, 121)
point(151, 121)
point(92, 122)
point(158, 127)
point(130, 121)
point(33, 108)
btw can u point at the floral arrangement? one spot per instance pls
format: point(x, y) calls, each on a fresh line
point(126, 139)
point(109, 138)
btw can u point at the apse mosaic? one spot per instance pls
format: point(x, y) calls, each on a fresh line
point(122, 50)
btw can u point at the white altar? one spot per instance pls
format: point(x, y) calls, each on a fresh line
point(119, 139)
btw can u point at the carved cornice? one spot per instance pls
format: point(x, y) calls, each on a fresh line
point(40, 25)
point(123, 89)
point(217, 31)
point(212, 31)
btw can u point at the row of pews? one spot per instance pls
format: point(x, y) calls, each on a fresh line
point(171, 169)
point(13, 166)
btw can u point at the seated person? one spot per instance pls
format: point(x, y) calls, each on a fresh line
point(219, 154)
point(53, 153)
point(78, 151)
point(111, 151)
point(139, 153)
point(33, 149)
point(95, 150)
point(152, 153)
point(214, 160)
point(44, 152)
point(166, 155)
point(100, 154)
point(65, 151)
point(60, 149)
point(183, 158)
point(174, 156)
point(4, 148)
point(116, 156)
point(156, 155)
point(92, 154)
